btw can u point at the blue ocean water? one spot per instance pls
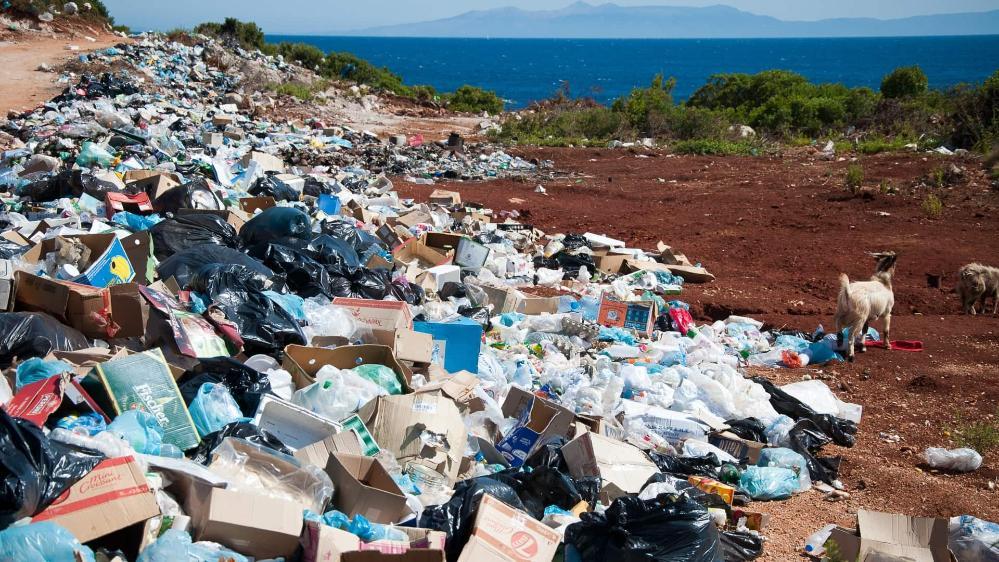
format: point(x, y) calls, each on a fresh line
point(526, 70)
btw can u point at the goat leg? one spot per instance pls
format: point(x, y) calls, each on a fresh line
point(863, 337)
point(888, 331)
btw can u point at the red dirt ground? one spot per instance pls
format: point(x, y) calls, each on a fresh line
point(777, 231)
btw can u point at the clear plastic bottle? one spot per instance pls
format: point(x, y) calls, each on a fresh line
point(815, 544)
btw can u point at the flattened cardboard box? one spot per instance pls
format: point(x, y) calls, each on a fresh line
point(363, 487)
point(504, 534)
point(622, 468)
point(114, 495)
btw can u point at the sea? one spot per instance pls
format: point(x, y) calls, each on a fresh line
point(526, 70)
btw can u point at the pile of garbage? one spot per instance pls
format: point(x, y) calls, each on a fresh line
point(216, 348)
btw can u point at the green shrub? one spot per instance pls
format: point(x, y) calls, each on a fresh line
point(932, 206)
point(643, 104)
point(300, 90)
point(474, 100)
point(712, 147)
point(975, 115)
point(308, 56)
point(566, 126)
point(247, 35)
point(904, 82)
point(854, 177)
point(982, 435)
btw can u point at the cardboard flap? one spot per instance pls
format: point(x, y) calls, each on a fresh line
point(922, 539)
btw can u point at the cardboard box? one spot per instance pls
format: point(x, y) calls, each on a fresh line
point(639, 316)
point(251, 205)
point(712, 486)
point(364, 487)
point(116, 202)
point(143, 381)
point(304, 362)
point(456, 344)
point(109, 264)
point(741, 449)
point(623, 468)
point(378, 315)
point(413, 218)
point(417, 257)
point(443, 242)
point(139, 248)
point(389, 235)
point(255, 525)
point(920, 539)
point(321, 543)
point(445, 197)
point(266, 162)
point(436, 277)
point(610, 264)
point(408, 345)
point(396, 423)
point(504, 534)
point(115, 312)
point(6, 284)
point(539, 420)
point(537, 305)
point(502, 299)
point(152, 184)
point(318, 454)
point(114, 495)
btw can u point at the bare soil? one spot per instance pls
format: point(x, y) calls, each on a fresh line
point(777, 231)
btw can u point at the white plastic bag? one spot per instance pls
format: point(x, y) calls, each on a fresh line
point(818, 397)
point(959, 460)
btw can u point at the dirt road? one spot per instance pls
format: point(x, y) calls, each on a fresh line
point(22, 85)
point(777, 232)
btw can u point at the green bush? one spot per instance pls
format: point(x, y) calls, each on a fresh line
point(471, 99)
point(643, 104)
point(302, 54)
point(566, 126)
point(854, 177)
point(904, 82)
point(247, 35)
point(975, 115)
point(932, 206)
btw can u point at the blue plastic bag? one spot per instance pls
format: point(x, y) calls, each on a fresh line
point(143, 433)
point(88, 424)
point(768, 483)
point(213, 408)
point(35, 369)
point(292, 304)
point(42, 542)
point(786, 458)
point(135, 222)
point(973, 539)
point(176, 545)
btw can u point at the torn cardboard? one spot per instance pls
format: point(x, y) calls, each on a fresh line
point(622, 468)
point(504, 534)
point(363, 487)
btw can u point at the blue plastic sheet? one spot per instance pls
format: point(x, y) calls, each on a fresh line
point(768, 483)
point(42, 542)
point(176, 546)
point(35, 369)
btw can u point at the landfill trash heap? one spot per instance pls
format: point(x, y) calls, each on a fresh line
point(216, 346)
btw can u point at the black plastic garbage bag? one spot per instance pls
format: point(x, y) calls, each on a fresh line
point(549, 454)
point(740, 547)
point(457, 516)
point(541, 488)
point(34, 471)
point(269, 185)
point(275, 224)
point(572, 263)
point(32, 334)
point(184, 265)
point(179, 233)
point(245, 384)
point(479, 314)
point(337, 255)
point(107, 85)
point(305, 276)
point(707, 465)
point(806, 439)
point(669, 528)
point(374, 284)
point(68, 183)
point(407, 292)
point(358, 239)
point(681, 485)
point(237, 290)
point(841, 431)
point(242, 430)
point(748, 428)
point(196, 194)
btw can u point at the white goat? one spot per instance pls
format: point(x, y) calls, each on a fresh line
point(863, 302)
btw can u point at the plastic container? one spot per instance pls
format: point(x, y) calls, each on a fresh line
point(815, 543)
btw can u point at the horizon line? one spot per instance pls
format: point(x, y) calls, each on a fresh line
point(736, 38)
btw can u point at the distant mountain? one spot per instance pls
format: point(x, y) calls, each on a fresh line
point(582, 20)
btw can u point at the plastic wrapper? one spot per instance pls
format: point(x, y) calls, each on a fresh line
point(973, 539)
point(93, 154)
point(261, 470)
point(184, 265)
point(328, 320)
point(457, 515)
point(246, 384)
point(88, 424)
point(329, 399)
point(665, 529)
point(196, 194)
point(176, 545)
point(769, 483)
point(274, 224)
point(32, 334)
point(35, 470)
point(958, 460)
point(245, 431)
point(213, 408)
point(786, 458)
point(42, 542)
point(173, 235)
point(382, 376)
point(264, 326)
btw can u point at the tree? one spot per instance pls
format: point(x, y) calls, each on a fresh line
point(905, 82)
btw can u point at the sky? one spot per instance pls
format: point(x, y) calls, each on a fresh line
point(318, 17)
